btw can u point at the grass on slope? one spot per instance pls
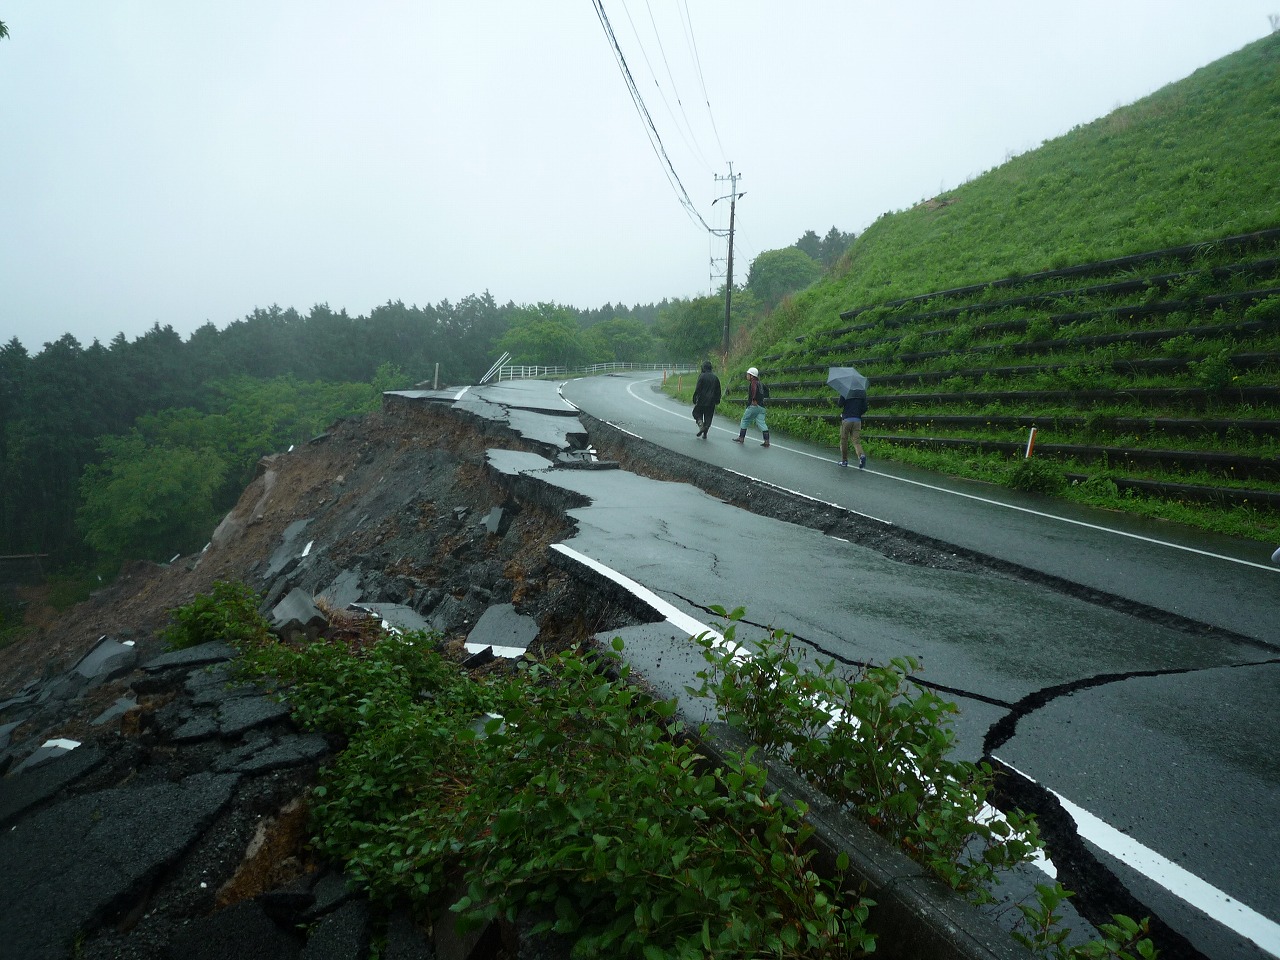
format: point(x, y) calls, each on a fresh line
point(1197, 159)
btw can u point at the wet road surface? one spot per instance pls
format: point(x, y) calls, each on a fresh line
point(1160, 740)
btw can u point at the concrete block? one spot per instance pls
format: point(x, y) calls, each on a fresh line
point(114, 712)
point(109, 843)
point(239, 716)
point(343, 591)
point(197, 656)
point(268, 754)
point(109, 658)
point(404, 940)
point(397, 616)
point(289, 550)
point(493, 522)
point(42, 781)
point(236, 933)
point(509, 633)
point(297, 611)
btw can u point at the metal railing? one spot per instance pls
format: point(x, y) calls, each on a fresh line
point(517, 371)
point(496, 367)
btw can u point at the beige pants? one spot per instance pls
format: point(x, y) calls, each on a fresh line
point(850, 430)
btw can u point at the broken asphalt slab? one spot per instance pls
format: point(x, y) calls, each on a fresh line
point(107, 846)
point(87, 831)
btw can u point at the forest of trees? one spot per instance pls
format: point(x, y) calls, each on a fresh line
point(135, 449)
point(829, 249)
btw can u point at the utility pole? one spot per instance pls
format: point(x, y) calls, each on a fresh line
point(732, 197)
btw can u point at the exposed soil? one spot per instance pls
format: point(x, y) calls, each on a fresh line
point(404, 496)
point(405, 488)
point(398, 493)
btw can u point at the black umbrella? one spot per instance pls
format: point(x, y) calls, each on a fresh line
point(846, 380)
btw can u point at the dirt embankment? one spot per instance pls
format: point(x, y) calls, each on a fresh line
point(400, 494)
point(402, 498)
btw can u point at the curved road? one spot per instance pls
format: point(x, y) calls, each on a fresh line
point(1159, 741)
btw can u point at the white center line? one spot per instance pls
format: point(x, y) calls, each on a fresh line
point(1182, 883)
point(1218, 906)
point(995, 503)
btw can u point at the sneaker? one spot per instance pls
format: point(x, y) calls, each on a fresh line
point(862, 461)
point(739, 439)
point(765, 444)
point(844, 463)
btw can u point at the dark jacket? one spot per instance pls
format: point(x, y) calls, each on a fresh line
point(757, 392)
point(855, 405)
point(706, 394)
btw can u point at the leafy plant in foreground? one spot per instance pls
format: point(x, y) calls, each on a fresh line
point(229, 614)
point(878, 742)
point(875, 741)
point(578, 800)
point(599, 813)
point(1045, 936)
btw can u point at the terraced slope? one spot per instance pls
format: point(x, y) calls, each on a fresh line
point(1117, 290)
point(1154, 375)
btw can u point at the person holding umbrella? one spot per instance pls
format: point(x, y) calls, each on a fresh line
point(852, 387)
point(706, 394)
point(757, 394)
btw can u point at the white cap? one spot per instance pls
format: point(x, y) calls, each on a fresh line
point(752, 372)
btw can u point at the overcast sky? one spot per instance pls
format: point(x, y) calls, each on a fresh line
point(184, 162)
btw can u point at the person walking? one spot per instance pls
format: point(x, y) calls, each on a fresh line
point(757, 394)
point(855, 406)
point(706, 394)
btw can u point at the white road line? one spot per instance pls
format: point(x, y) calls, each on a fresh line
point(1182, 883)
point(800, 493)
point(994, 503)
point(1216, 905)
point(672, 614)
point(767, 483)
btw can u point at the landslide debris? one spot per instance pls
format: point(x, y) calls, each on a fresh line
point(400, 502)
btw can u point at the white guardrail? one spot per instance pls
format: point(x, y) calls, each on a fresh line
point(518, 371)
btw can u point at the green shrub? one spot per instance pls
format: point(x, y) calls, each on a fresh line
point(1214, 371)
point(1178, 346)
point(1098, 488)
point(595, 811)
point(879, 743)
point(873, 740)
point(1265, 310)
point(228, 614)
point(583, 805)
point(1036, 475)
point(1039, 329)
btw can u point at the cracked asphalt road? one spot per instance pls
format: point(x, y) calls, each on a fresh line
point(1135, 679)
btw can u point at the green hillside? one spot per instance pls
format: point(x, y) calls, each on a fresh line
point(1197, 159)
point(1170, 346)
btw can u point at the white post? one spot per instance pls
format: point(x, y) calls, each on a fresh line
point(1031, 443)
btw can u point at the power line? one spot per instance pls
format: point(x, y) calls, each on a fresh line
point(655, 141)
point(690, 140)
point(697, 61)
point(697, 147)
